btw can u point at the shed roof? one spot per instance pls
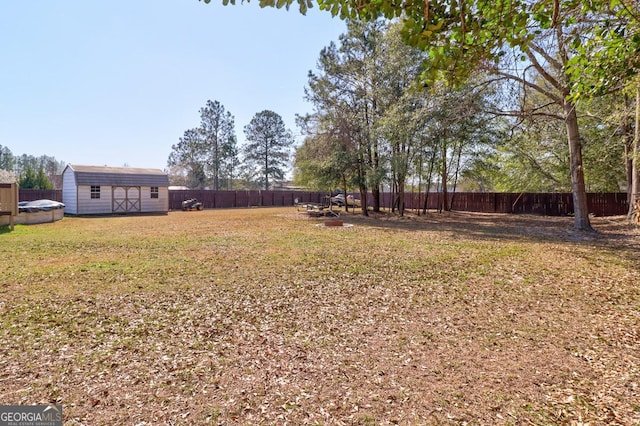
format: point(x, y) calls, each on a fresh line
point(118, 176)
point(7, 177)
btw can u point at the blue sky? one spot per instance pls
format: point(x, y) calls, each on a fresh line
point(117, 82)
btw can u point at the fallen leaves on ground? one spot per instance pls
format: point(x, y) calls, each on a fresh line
point(259, 316)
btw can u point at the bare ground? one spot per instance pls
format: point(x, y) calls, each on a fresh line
point(263, 317)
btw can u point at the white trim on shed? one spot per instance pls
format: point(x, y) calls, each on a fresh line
point(90, 190)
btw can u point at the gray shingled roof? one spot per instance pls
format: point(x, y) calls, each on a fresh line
point(119, 176)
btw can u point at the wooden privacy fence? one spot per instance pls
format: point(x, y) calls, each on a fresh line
point(548, 204)
point(234, 199)
point(40, 194)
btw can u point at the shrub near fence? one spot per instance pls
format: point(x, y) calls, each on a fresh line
point(547, 204)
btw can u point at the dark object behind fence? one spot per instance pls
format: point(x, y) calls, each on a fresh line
point(547, 204)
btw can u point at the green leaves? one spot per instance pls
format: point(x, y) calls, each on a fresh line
point(305, 5)
point(610, 57)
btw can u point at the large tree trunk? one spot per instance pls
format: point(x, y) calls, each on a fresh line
point(627, 129)
point(364, 207)
point(344, 188)
point(362, 186)
point(216, 166)
point(432, 164)
point(457, 148)
point(417, 208)
point(401, 198)
point(635, 164)
point(580, 207)
point(375, 194)
point(375, 187)
point(445, 171)
point(628, 164)
point(266, 168)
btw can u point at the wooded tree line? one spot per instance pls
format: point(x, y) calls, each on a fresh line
point(31, 172)
point(518, 95)
point(209, 156)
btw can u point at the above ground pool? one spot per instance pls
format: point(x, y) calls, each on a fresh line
point(39, 211)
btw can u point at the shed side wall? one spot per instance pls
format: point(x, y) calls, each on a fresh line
point(154, 205)
point(88, 205)
point(69, 191)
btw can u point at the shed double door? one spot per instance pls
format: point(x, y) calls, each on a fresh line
point(126, 199)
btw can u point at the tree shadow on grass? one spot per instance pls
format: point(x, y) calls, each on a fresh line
point(613, 233)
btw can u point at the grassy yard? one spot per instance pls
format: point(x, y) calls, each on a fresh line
point(260, 316)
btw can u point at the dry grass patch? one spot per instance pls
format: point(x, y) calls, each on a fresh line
point(259, 316)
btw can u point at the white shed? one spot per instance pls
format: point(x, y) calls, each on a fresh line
point(90, 190)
